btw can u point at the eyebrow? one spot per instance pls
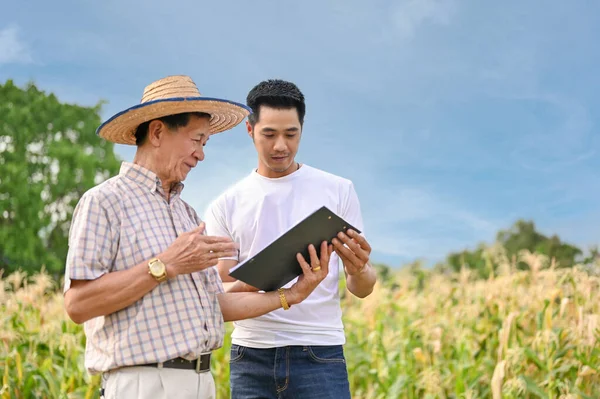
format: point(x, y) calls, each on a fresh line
point(271, 130)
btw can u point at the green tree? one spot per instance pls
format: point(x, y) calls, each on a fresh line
point(593, 255)
point(49, 156)
point(383, 271)
point(523, 235)
point(419, 273)
point(385, 276)
point(470, 259)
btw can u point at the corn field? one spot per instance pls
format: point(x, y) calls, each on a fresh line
point(520, 334)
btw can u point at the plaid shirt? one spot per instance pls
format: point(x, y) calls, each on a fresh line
point(116, 225)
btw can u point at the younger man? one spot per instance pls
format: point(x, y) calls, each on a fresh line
point(296, 352)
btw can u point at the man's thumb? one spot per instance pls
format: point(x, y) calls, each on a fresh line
point(200, 228)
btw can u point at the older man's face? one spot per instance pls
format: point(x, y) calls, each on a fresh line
point(182, 149)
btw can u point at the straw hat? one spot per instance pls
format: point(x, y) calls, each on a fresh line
point(168, 96)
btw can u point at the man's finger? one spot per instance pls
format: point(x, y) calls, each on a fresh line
point(359, 246)
point(214, 239)
point(352, 244)
point(200, 228)
point(221, 254)
point(344, 252)
point(359, 252)
point(314, 259)
point(325, 257)
point(222, 246)
point(324, 250)
point(305, 266)
point(351, 263)
point(362, 241)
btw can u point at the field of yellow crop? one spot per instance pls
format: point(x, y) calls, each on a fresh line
point(529, 334)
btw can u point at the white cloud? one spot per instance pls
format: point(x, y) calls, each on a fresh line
point(12, 49)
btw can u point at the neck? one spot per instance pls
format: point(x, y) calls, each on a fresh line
point(263, 170)
point(145, 160)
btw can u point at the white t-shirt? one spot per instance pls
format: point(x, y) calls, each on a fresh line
point(257, 210)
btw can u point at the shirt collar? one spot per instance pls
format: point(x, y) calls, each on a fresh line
point(146, 178)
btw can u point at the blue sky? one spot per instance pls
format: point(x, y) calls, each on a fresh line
point(453, 119)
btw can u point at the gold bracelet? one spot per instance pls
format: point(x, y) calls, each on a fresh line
point(284, 302)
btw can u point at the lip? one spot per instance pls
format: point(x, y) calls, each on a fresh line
point(279, 159)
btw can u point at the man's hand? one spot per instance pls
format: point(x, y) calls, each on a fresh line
point(192, 251)
point(246, 305)
point(356, 255)
point(312, 274)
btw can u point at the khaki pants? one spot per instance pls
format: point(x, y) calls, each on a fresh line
point(155, 383)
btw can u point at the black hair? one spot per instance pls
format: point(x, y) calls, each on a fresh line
point(172, 121)
point(275, 93)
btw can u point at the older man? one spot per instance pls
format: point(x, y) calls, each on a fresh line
point(140, 271)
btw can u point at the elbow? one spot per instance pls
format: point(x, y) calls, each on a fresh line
point(225, 277)
point(223, 267)
point(76, 317)
point(73, 309)
point(364, 293)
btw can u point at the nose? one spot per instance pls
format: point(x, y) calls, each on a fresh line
point(280, 145)
point(199, 154)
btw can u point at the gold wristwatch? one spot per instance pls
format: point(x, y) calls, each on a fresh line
point(157, 269)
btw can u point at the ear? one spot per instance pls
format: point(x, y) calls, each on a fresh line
point(250, 130)
point(156, 130)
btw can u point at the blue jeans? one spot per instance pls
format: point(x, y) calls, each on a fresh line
point(289, 372)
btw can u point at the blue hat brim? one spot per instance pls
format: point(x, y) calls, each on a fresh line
point(121, 127)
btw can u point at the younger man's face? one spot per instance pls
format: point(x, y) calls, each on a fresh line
point(276, 137)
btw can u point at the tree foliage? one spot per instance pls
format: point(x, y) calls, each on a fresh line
point(522, 236)
point(49, 156)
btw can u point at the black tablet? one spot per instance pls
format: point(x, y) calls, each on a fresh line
point(276, 265)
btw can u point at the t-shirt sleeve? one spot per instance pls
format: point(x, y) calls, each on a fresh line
point(216, 224)
point(92, 241)
point(351, 211)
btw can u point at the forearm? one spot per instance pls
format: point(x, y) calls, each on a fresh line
point(108, 294)
point(245, 305)
point(226, 278)
point(223, 267)
point(238, 286)
point(361, 284)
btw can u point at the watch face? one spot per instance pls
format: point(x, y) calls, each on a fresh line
point(157, 268)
